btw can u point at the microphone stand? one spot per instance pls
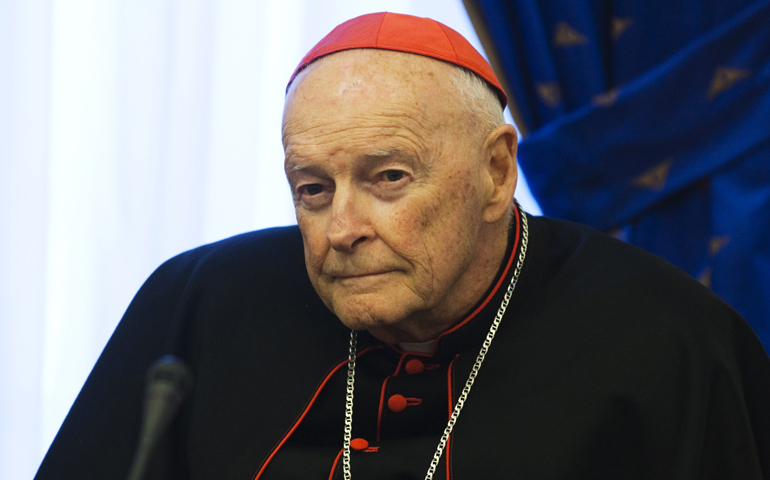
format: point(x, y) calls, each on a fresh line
point(169, 381)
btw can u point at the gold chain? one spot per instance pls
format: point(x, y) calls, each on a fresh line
point(468, 384)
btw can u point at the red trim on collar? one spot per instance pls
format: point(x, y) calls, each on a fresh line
point(488, 298)
point(450, 389)
point(336, 462)
point(310, 403)
point(497, 285)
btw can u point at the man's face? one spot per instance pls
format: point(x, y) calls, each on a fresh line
point(387, 190)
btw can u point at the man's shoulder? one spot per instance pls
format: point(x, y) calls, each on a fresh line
point(260, 266)
point(600, 260)
point(259, 245)
point(607, 306)
point(621, 287)
point(261, 253)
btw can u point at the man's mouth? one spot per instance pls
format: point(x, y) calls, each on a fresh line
point(344, 276)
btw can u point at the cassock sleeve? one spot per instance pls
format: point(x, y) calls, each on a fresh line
point(99, 435)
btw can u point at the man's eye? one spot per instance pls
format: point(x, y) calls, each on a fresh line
point(393, 175)
point(313, 189)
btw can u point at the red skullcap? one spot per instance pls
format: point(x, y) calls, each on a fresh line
point(404, 33)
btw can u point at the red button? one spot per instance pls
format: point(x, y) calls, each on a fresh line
point(414, 365)
point(359, 444)
point(397, 403)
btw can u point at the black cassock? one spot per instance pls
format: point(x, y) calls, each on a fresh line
point(609, 363)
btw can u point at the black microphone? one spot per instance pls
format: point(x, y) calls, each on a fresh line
point(169, 381)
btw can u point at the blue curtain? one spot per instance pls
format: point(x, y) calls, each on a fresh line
point(650, 119)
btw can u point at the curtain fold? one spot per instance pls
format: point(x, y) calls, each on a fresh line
point(651, 120)
point(676, 118)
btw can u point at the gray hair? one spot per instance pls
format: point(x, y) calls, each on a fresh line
point(483, 110)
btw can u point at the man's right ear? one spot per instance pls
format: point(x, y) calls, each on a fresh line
point(500, 155)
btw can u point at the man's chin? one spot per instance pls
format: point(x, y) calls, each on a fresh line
point(358, 321)
point(363, 316)
point(387, 324)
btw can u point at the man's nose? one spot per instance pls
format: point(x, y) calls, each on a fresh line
point(350, 225)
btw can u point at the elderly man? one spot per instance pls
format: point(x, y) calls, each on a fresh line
point(432, 329)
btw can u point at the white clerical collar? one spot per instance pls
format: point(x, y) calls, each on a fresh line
point(421, 347)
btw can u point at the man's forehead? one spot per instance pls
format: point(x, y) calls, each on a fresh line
point(360, 89)
point(377, 103)
point(360, 70)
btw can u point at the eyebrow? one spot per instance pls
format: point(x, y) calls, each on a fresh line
point(296, 167)
point(387, 152)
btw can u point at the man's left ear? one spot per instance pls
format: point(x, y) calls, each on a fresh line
point(500, 157)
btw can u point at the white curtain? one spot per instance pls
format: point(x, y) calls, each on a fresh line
point(132, 130)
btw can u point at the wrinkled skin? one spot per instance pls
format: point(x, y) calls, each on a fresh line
point(403, 213)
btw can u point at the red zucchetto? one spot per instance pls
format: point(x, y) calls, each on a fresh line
point(404, 33)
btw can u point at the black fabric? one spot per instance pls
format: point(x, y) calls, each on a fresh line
point(609, 363)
